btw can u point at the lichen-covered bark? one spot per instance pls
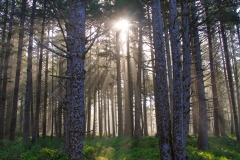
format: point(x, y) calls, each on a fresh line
point(177, 83)
point(186, 69)
point(162, 104)
point(76, 37)
point(203, 127)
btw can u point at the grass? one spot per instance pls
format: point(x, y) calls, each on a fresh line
point(223, 148)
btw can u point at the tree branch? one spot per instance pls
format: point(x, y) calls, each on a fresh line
point(57, 53)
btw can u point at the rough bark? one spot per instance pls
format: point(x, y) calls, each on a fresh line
point(162, 104)
point(186, 69)
point(178, 147)
point(76, 36)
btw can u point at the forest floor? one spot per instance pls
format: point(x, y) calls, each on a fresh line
point(223, 148)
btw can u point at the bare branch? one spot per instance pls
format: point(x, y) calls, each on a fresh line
point(61, 49)
point(57, 53)
point(57, 98)
point(62, 77)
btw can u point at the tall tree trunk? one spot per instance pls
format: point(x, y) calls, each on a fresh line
point(4, 29)
point(60, 105)
point(186, 69)
point(76, 35)
point(39, 81)
point(203, 127)
point(119, 88)
point(167, 48)
point(128, 93)
point(238, 33)
point(138, 99)
point(178, 147)
point(94, 112)
point(45, 98)
point(5, 71)
point(162, 104)
point(113, 115)
point(108, 110)
point(89, 112)
point(235, 72)
point(152, 59)
point(28, 94)
point(230, 80)
point(145, 124)
point(21, 116)
point(18, 69)
point(212, 72)
point(100, 114)
point(227, 86)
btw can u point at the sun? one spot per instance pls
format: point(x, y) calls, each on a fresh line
point(122, 25)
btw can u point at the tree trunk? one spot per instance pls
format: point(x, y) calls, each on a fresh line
point(94, 112)
point(230, 80)
point(145, 124)
point(89, 112)
point(4, 29)
point(186, 69)
point(60, 104)
point(39, 82)
point(162, 104)
point(212, 72)
point(203, 127)
point(76, 36)
point(119, 88)
point(138, 99)
point(128, 93)
point(18, 69)
point(178, 147)
point(45, 98)
point(227, 86)
point(5, 71)
point(113, 115)
point(28, 94)
point(235, 72)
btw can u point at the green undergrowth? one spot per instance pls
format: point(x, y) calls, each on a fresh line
point(223, 148)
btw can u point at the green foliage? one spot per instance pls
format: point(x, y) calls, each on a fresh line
point(222, 148)
point(44, 149)
point(146, 148)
